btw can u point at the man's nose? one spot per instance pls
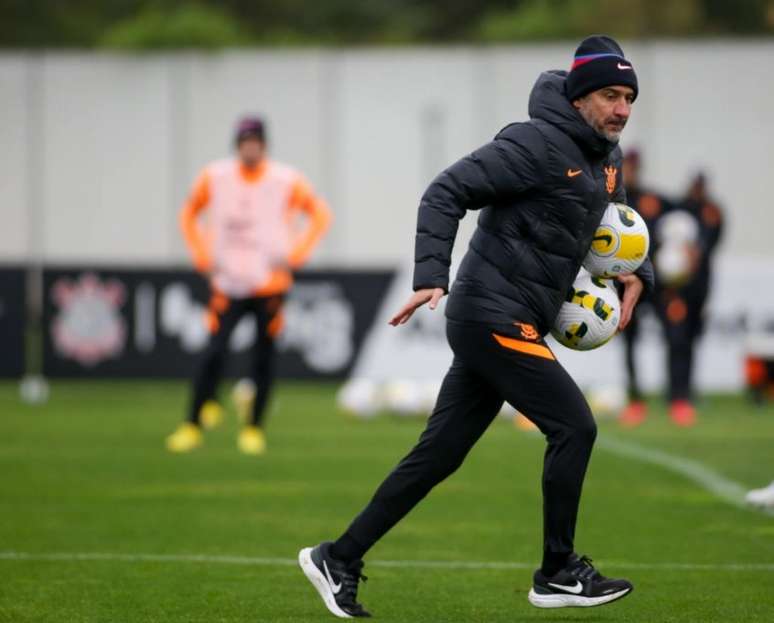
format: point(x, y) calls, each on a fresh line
point(622, 109)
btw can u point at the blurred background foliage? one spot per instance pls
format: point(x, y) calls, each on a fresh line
point(161, 24)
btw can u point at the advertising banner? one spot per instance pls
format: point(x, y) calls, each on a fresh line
point(151, 323)
point(12, 306)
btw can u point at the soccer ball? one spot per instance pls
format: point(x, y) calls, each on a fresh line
point(429, 391)
point(673, 264)
point(589, 316)
point(620, 243)
point(606, 400)
point(360, 397)
point(403, 397)
point(677, 227)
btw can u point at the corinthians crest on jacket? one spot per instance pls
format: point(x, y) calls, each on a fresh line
point(610, 178)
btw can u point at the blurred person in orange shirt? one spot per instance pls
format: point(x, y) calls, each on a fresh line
point(243, 224)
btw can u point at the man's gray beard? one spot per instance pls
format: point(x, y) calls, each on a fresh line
point(601, 131)
point(613, 139)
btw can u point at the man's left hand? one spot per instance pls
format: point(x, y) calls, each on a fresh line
point(633, 288)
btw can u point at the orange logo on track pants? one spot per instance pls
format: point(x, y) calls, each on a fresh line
point(528, 332)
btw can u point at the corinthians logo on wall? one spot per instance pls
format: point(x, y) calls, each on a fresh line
point(113, 322)
point(88, 326)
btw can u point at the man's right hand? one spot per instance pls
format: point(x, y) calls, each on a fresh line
point(419, 298)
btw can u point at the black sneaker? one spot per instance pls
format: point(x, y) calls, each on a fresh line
point(335, 580)
point(578, 584)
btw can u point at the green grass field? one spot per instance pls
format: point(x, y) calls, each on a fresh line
point(99, 523)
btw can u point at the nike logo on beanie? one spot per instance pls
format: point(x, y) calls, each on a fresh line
point(599, 62)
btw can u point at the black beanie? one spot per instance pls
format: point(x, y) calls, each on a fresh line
point(250, 127)
point(599, 62)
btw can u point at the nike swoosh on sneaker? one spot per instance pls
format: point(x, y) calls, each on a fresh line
point(575, 590)
point(334, 587)
point(624, 66)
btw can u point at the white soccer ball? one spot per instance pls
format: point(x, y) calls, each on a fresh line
point(620, 244)
point(589, 316)
point(403, 397)
point(429, 391)
point(673, 264)
point(360, 397)
point(761, 497)
point(507, 412)
point(606, 400)
point(34, 390)
point(677, 227)
point(243, 391)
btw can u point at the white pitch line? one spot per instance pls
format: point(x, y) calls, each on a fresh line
point(109, 556)
point(401, 564)
point(724, 488)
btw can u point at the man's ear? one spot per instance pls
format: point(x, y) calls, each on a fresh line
point(577, 103)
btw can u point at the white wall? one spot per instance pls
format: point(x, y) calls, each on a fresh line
point(739, 320)
point(14, 156)
point(97, 150)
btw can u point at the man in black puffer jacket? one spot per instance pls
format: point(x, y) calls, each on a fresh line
point(542, 187)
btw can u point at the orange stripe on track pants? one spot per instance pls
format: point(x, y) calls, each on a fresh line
point(530, 348)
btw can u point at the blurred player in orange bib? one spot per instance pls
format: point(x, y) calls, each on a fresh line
point(244, 226)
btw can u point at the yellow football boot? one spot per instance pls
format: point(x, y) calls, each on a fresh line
point(211, 414)
point(252, 440)
point(186, 437)
point(243, 396)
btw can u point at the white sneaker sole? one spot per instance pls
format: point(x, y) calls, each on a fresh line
point(570, 601)
point(320, 583)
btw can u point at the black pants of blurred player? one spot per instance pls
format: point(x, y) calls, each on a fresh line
point(486, 370)
point(631, 335)
point(225, 314)
point(682, 317)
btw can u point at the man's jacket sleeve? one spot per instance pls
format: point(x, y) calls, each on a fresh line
point(645, 271)
point(511, 164)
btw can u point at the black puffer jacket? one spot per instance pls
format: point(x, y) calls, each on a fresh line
point(543, 186)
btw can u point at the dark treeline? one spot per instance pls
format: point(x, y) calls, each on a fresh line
point(158, 24)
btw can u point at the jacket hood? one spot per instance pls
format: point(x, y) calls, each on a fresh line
point(549, 103)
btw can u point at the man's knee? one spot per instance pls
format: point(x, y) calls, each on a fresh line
point(584, 427)
point(415, 477)
point(586, 430)
point(444, 466)
point(432, 463)
point(581, 429)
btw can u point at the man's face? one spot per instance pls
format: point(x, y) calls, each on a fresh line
point(607, 110)
point(251, 151)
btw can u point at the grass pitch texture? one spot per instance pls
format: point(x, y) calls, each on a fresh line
point(99, 524)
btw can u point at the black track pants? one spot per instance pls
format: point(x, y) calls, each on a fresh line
point(492, 364)
point(631, 336)
point(225, 315)
point(682, 319)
